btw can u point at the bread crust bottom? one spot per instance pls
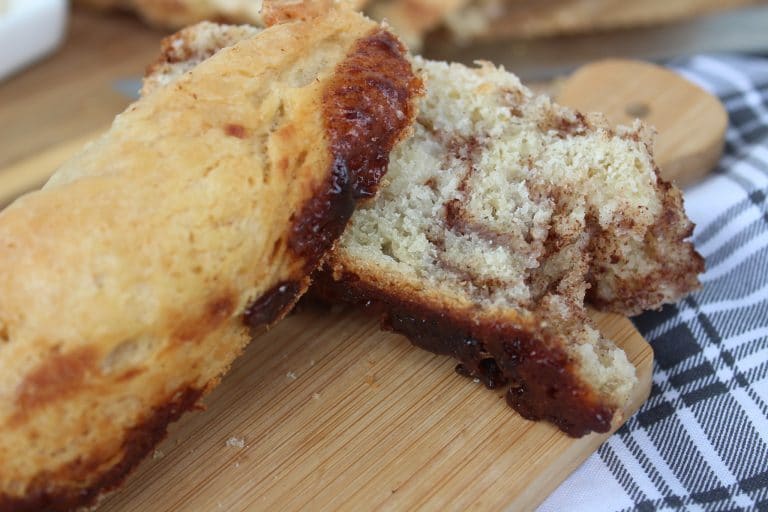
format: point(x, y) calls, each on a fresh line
point(541, 380)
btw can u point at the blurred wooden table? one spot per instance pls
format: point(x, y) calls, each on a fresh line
point(70, 93)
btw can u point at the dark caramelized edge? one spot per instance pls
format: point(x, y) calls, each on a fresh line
point(367, 108)
point(541, 379)
point(139, 441)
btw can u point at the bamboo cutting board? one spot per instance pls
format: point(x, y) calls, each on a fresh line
point(327, 412)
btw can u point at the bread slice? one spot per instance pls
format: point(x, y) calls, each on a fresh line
point(130, 282)
point(500, 215)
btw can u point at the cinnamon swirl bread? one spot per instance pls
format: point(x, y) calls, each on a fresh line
point(129, 283)
point(501, 214)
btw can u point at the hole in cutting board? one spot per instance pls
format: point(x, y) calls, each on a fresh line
point(638, 110)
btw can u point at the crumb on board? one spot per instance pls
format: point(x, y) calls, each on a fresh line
point(236, 442)
point(291, 375)
point(316, 396)
point(157, 454)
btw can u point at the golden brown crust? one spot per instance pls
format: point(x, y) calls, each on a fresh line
point(274, 12)
point(366, 108)
point(183, 50)
point(130, 281)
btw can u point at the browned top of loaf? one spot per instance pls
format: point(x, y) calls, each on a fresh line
point(64, 402)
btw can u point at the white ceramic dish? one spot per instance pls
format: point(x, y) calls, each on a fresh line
point(29, 30)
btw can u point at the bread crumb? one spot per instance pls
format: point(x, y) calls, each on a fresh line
point(476, 380)
point(316, 396)
point(157, 454)
point(236, 442)
point(291, 375)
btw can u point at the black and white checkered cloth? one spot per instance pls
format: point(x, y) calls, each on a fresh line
point(701, 440)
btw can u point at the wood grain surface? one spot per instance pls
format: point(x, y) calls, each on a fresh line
point(327, 412)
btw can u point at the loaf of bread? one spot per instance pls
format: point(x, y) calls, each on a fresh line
point(501, 215)
point(130, 282)
point(414, 19)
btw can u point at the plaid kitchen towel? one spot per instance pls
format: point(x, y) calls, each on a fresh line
point(701, 440)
